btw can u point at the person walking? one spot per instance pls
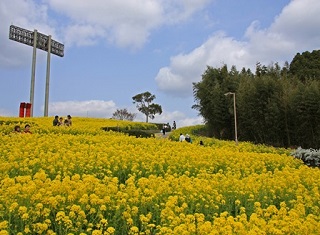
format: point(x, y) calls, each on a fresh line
point(164, 129)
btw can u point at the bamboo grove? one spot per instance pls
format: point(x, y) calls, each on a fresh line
point(276, 106)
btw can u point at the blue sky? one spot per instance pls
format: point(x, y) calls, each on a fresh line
point(115, 49)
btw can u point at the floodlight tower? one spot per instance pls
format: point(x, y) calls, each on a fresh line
point(42, 42)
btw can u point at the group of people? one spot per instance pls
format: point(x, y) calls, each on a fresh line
point(165, 126)
point(185, 138)
point(188, 139)
point(58, 121)
point(17, 129)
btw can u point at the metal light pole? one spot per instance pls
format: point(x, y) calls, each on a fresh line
point(235, 115)
point(33, 71)
point(46, 98)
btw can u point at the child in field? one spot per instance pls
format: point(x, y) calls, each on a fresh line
point(27, 129)
point(17, 129)
point(60, 121)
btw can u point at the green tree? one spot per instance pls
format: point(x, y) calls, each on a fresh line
point(211, 102)
point(275, 106)
point(144, 104)
point(246, 108)
point(307, 110)
point(306, 65)
point(123, 114)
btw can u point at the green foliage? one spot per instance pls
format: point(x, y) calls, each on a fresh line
point(259, 105)
point(140, 133)
point(136, 129)
point(144, 104)
point(132, 132)
point(306, 65)
point(198, 133)
point(274, 106)
point(211, 103)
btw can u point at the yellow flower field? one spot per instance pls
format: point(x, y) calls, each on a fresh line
point(83, 180)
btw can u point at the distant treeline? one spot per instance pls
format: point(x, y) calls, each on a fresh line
point(278, 106)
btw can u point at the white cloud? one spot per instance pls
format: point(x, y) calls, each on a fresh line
point(125, 23)
point(167, 116)
point(105, 109)
point(295, 30)
point(90, 108)
point(189, 122)
point(7, 113)
point(180, 118)
point(26, 14)
point(187, 68)
point(82, 35)
point(299, 22)
point(180, 10)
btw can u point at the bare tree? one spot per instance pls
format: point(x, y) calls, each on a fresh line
point(123, 114)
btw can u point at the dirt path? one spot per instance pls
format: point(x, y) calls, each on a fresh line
point(160, 135)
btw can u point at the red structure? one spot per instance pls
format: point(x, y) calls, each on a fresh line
point(25, 109)
point(28, 109)
point(21, 110)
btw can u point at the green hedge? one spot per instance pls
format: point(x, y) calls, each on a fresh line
point(132, 132)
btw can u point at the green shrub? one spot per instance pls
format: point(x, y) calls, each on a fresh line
point(139, 133)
